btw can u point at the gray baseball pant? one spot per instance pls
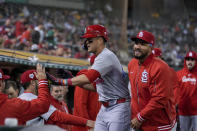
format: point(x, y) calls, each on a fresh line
point(114, 118)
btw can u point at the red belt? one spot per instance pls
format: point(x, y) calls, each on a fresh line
point(109, 103)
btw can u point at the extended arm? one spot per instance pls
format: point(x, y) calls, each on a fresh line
point(64, 118)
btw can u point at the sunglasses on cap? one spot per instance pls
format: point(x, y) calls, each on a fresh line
point(189, 59)
point(88, 41)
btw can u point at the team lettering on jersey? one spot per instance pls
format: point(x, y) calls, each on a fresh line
point(144, 77)
point(192, 80)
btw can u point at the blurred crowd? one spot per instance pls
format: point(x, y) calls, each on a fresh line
point(57, 32)
point(174, 37)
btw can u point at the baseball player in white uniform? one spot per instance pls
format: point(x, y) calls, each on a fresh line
point(110, 80)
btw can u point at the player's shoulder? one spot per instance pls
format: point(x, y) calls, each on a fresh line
point(133, 61)
point(28, 96)
point(106, 54)
point(181, 72)
point(15, 102)
point(160, 63)
point(132, 64)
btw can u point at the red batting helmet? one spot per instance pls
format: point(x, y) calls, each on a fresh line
point(146, 36)
point(95, 31)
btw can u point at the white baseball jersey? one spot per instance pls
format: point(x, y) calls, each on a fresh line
point(39, 120)
point(112, 84)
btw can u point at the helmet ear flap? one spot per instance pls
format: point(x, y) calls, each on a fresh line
point(104, 40)
point(85, 45)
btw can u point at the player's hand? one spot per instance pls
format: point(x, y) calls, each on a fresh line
point(40, 72)
point(91, 129)
point(52, 78)
point(90, 123)
point(57, 81)
point(135, 124)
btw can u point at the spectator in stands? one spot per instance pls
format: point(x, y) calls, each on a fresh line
point(20, 27)
point(26, 39)
point(81, 54)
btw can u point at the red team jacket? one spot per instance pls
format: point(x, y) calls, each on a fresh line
point(86, 105)
point(175, 85)
point(152, 94)
point(24, 110)
point(188, 90)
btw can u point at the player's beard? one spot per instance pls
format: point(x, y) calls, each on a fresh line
point(142, 56)
point(190, 66)
point(60, 98)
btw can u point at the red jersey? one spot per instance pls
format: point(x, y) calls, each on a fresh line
point(152, 94)
point(25, 110)
point(188, 91)
point(86, 105)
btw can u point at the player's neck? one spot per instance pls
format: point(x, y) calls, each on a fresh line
point(99, 50)
point(30, 90)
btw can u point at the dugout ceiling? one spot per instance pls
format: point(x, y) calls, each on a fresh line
point(20, 58)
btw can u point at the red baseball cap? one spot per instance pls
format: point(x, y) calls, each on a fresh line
point(146, 36)
point(2, 76)
point(27, 76)
point(191, 54)
point(157, 52)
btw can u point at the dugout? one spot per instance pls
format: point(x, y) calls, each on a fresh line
point(14, 63)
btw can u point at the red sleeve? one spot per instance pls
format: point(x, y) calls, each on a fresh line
point(161, 90)
point(31, 109)
point(81, 99)
point(64, 118)
point(176, 88)
point(92, 75)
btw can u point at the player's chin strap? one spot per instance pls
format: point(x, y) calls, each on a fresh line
point(57, 81)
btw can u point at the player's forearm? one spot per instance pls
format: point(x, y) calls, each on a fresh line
point(80, 80)
point(64, 118)
point(89, 87)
